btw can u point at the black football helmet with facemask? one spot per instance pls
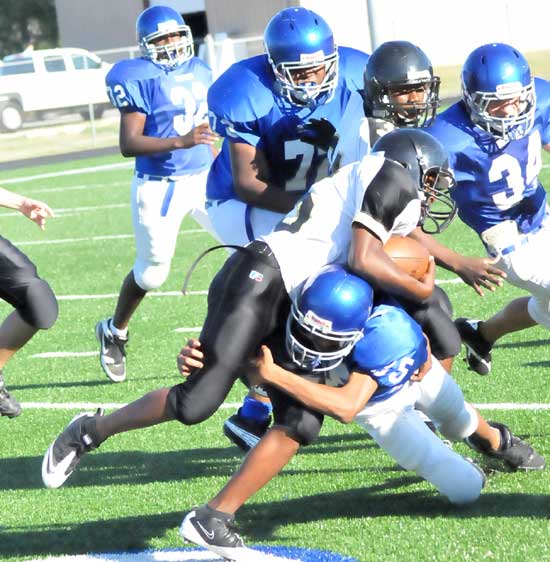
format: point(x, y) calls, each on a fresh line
point(398, 66)
point(424, 157)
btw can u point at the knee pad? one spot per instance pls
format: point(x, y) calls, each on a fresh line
point(150, 276)
point(39, 307)
point(188, 411)
point(307, 430)
point(462, 425)
point(539, 310)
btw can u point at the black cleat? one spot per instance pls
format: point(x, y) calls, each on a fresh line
point(478, 349)
point(112, 354)
point(9, 406)
point(213, 530)
point(64, 454)
point(516, 453)
point(245, 432)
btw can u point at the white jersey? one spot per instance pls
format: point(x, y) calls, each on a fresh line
point(375, 193)
point(357, 134)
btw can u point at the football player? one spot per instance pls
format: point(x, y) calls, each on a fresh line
point(278, 114)
point(389, 370)
point(32, 298)
point(346, 217)
point(494, 137)
point(161, 97)
point(401, 90)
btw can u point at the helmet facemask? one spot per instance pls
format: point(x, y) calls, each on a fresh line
point(437, 206)
point(313, 345)
point(168, 55)
point(506, 128)
point(304, 94)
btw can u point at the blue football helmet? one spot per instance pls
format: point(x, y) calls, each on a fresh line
point(299, 39)
point(158, 22)
point(426, 160)
point(499, 72)
point(327, 319)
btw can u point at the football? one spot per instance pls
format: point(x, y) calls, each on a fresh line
point(409, 255)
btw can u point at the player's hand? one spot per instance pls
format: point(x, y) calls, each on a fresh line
point(318, 132)
point(480, 272)
point(427, 281)
point(190, 357)
point(419, 375)
point(264, 365)
point(201, 134)
point(36, 211)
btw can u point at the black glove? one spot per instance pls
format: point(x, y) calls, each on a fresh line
point(319, 132)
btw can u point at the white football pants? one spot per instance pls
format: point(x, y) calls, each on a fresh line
point(528, 268)
point(398, 429)
point(238, 223)
point(158, 208)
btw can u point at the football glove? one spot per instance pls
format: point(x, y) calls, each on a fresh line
point(319, 132)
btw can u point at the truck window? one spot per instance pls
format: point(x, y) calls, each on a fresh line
point(17, 67)
point(83, 63)
point(54, 64)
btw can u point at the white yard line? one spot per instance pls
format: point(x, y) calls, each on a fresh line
point(115, 295)
point(227, 405)
point(56, 354)
point(93, 405)
point(104, 168)
point(95, 238)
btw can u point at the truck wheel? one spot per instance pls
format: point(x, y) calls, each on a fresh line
point(11, 117)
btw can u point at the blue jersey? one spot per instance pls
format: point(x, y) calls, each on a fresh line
point(392, 349)
point(245, 108)
point(496, 181)
point(173, 101)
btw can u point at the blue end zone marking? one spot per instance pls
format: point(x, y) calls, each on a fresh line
point(304, 554)
point(202, 555)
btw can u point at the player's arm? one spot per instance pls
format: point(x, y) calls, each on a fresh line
point(476, 272)
point(252, 180)
point(133, 142)
point(342, 403)
point(35, 210)
point(367, 259)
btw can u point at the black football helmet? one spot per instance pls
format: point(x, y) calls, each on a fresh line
point(399, 66)
point(424, 157)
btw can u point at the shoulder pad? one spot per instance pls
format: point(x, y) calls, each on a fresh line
point(244, 91)
point(132, 70)
point(352, 63)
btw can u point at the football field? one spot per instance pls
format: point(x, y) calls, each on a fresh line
point(341, 494)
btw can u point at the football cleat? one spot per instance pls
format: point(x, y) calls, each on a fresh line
point(9, 406)
point(478, 349)
point(245, 432)
point(214, 530)
point(112, 354)
point(65, 452)
point(516, 453)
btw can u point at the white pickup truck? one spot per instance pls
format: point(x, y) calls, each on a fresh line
point(51, 80)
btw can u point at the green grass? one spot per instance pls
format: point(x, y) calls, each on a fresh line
point(340, 494)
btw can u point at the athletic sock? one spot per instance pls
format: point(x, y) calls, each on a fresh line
point(123, 334)
point(255, 410)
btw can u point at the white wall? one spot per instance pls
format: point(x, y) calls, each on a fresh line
point(348, 20)
point(182, 6)
point(448, 31)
